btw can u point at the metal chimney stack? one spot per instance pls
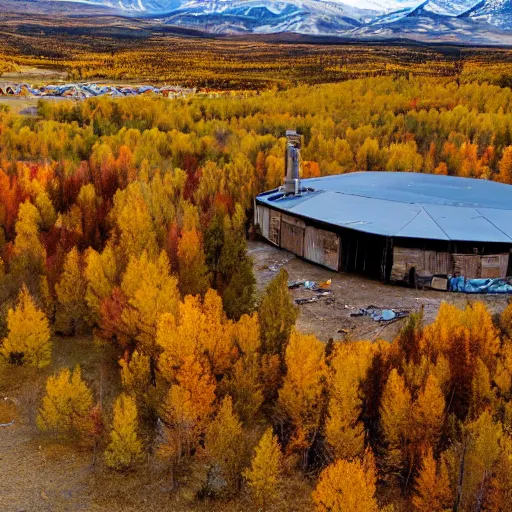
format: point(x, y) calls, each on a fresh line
point(292, 163)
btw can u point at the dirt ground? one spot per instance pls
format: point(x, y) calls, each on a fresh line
point(331, 319)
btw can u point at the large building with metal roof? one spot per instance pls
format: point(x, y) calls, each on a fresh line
point(390, 225)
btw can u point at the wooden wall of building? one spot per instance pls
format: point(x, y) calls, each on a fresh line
point(294, 235)
point(351, 251)
point(429, 263)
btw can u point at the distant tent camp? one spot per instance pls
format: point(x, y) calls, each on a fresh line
point(80, 91)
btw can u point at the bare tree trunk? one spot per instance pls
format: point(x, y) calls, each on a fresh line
point(458, 498)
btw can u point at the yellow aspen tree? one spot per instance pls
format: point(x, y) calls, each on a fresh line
point(67, 404)
point(136, 373)
point(224, 444)
point(186, 410)
point(277, 316)
point(151, 291)
point(29, 254)
point(506, 321)
point(202, 330)
point(503, 374)
point(264, 475)
point(347, 486)
point(28, 339)
point(302, 392)
point(505, 174)
point(484, 336)
point(244, 381)
point(46, 210)
point(125, 447)
point(483, 440)
point(395, 411)
point(134, 223)
point(348, 368)
point(194, 278)
point(101, 275)
point(432, 488)
point(72, 312)
point(428, 413)
point(481, 392)
point(499, 492)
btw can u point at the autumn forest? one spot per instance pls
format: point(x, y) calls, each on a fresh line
point(133, 335)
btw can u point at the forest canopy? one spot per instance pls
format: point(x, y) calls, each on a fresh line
point(126, 221)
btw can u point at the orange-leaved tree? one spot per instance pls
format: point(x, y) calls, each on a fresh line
point(347, 486)
point(433, 490)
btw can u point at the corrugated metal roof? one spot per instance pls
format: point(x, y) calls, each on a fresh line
point(407, 205)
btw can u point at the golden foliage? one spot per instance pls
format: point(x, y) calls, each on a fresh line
point(67, 405)
point(224, 443)
point(72, 312)
point(125, 447)
point(347, 370)
point(347, 486)
point(433, 490)
point(28, 340)
point(200, 331)
point(301, 395)
point(264, 475)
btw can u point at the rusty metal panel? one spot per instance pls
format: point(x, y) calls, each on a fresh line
point(292, 238)
point(274, 230)
point(494, 266)
point(322, 247)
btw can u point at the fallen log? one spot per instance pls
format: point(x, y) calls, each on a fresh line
point(7, 424)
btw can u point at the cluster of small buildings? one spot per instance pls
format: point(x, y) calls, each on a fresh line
point(86, 90)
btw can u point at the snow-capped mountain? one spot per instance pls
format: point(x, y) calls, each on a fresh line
point(472, 21)
point(495, 12)
point(448, 7)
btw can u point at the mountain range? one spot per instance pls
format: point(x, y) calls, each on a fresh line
point(457, 21)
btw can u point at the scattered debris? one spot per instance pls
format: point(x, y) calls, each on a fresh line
point(321, 294)
point(321, 291)
point(308, 300)
point(380, 314)
point(277, 265)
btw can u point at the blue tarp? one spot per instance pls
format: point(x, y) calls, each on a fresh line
point(463, 285)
